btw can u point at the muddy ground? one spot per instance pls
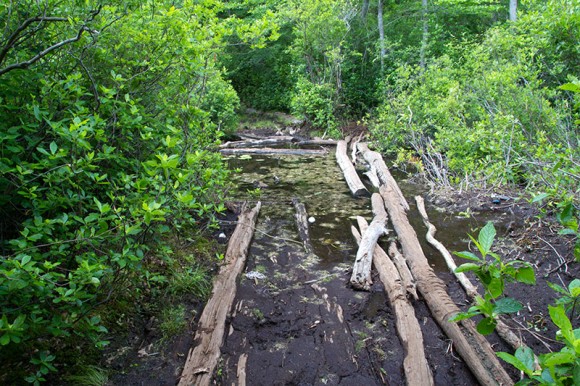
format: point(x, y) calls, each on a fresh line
point(295, 318)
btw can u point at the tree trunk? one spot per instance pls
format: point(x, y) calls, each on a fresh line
point(417, 371)
point(203, 357)
point(364, 10)
point(424, 40)
point(352, 179)
point(381, 35)
point(513, 10)
point(361, 272)
point(472, 346)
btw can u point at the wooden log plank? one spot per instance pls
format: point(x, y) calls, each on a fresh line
point(274, 151)
point(203, 357)
point(404, 272)
point(378, 166)
point(361, 272)
point(302, 224)
point(277, 141)
point(415, 365)
point(472, 346)
point(502, 329)
point(352, 179)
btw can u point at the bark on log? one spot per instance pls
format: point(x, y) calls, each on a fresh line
point(203, 357)
point(417, 371)
point(352, 179)
point(302, 224)
point(361, 272)
point(404, 272)
point(377, 164)
point(502, 329)
point(273, 151)
point(472, 346)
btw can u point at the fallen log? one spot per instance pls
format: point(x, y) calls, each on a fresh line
point(352, 179)
point(415, 365)
point(401, 264)
point(204, 355)
point(273, 151)
point(241, 373)
point(472, 346)
point(276, 141)
point(302, 224)
point(361, 272)
point(378, 166)
point(501, 328)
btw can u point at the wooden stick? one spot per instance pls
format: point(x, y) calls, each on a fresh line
point(203, 357)
point(502, 329)
point(352, 179)
point(361, 272)
point(472, 346)
point(302, 224)
point(404, 272)
point(241, 373)
point(417, 371)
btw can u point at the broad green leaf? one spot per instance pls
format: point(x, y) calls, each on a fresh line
point(540, 197)
point(467, 267)
point(526, 356)
point(467, 255)
point(560, 319)
point(495, 287)
point(53, 147)
point(570, 87)
point(515, 362)
point(486, 326)
point(574, 287)
point(507, 306)
point(557, 288)
point(557, 358)
point(486, 236)
point(526, 275)
point(462, 315)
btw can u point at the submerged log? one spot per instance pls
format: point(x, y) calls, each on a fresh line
point(472, 346)
point(378, 166)
point(277, 140)
point(352, 179)
point(302, 224)
point(203, 357)
point(501, 328)
point(417, 371)
point(361, 272)
point(403, 269)
point(274, 151)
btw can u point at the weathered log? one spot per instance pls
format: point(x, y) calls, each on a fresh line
point(377, 164)
point(352, 179)
point(472, 346)
point(203, 357)
point(417, 371)
point(278, 140)
point(302, 224)
point(273, 151)
point(502, 329)
point(361, 272)
point(241, 373)
point(404, 272)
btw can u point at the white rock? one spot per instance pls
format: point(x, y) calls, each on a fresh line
point(311, 220)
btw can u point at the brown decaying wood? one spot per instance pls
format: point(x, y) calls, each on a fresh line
point(404, 272)
point(203, 357)
point(274, 151)
point(502, 329)
point(302, 224)
point(361, 272)
point(472, 346)
point(417, 371)
point(378, 166)
point(352, 179)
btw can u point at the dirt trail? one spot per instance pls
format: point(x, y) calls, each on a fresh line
point(295, 319)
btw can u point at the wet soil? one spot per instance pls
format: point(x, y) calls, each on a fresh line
point(298, 322)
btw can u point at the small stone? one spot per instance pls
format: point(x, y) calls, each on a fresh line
point(311, 220)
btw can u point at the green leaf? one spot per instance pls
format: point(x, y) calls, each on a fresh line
point(495, 287)
point(574, 287)
point(467, 267)
point(463, 315)
point(486, 236)
point(467, 255)
point(515, 362)
point(570, 87)
point(526, 356)
point(526, 275)
point(540, 197)
point(4, 339)
point(558, 315)
point(53, 147)
point(486, 326)
point(557, 358)
point(507, 306)
point(558, 288)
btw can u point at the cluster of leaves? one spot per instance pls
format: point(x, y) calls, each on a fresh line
point(493, 274)
point(108, 117)
point(554, 368)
